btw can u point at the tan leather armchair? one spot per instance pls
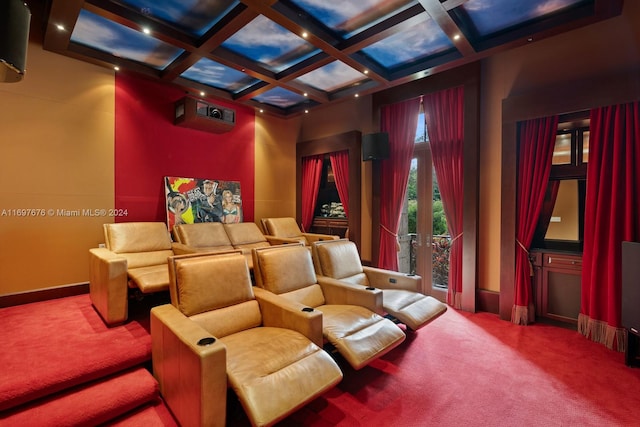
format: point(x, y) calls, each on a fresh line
point(287, 228)
point(349, 321)
point(246, 236)
point(201, 237)
point(271, 363)
point(134, 257)
point(401, 293)
point(218, 237)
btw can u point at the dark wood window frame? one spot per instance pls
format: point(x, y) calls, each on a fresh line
point(350, 141)
point(575, 125)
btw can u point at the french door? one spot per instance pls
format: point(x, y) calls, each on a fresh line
point(416, 232)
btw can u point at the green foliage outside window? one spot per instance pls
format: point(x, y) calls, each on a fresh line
point(439, 220)
point(440, 241)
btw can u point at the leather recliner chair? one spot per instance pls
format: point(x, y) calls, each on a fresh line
point(219, 237)
point(134, 257)
point(287, 228)
point(401, 293)
point(216, 315)
point(349, 319)
point(201, 237)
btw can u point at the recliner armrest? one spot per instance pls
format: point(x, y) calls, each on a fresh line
point(388, 279)
point(273, 240)
point(337, 292)
point(282, 313)
point(192, 376)
point(108, 286)
point(182, 249)
point(314, 237)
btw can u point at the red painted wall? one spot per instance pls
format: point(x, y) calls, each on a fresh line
point(148, 147)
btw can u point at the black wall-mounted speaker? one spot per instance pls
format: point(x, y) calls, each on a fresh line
point(631, 286)
point(375, 146)
point(15, 18)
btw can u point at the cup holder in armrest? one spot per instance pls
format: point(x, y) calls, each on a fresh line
point(370, 288)
point(308, 309)
point(206, 341)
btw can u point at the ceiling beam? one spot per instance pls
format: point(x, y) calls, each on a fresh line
point(441, 16)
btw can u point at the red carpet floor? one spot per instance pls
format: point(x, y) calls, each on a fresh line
point(476, 370)
point(52, 345)
point(462, 370)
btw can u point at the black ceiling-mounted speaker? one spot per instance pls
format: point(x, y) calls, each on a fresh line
point(375, 146)
point(15, 18)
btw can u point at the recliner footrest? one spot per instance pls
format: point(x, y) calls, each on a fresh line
point(359, 334)
point(413, 309)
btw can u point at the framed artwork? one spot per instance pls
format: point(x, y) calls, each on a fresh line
point(192, 200)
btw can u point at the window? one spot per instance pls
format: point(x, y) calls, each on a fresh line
point(561, 223)
point(328, 201)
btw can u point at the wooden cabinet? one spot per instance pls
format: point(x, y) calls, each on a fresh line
point(557, 284)
point(333, 226)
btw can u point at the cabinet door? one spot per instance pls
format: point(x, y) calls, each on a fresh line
point(561, 286)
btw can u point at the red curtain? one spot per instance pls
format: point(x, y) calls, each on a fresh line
point(535, 150)
point(311, 175)
point(399, 121)
point(612, 215)
point(340, 165)
point(444, 113)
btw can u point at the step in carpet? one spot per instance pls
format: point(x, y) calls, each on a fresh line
point(88, 404)
point(54, 345)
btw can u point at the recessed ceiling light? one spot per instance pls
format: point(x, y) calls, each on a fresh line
point(60, 27)
point(305, 34)
point(366, 71)
point(202, 93)
point(116, 68)
point(306, 111)
point(146, 30)
point(356, 95)
point(305, 94)
point(261, 110)
point(456, 37)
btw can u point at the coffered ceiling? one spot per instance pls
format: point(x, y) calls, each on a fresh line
point(287, 56)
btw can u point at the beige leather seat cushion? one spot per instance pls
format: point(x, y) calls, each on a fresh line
point(339, 260)
point(210, 235)
point(246, 236)
point(244, 233)
point(154, 278)
point(273, 369)
point(134, 237)
point(283, 227)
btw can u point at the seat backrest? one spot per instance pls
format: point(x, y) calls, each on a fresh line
point(215, 291)
point(340, 260)
point(282, 227)
point(245, 235)
point(288, 271)
point(141, 243)
point(203, 234)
